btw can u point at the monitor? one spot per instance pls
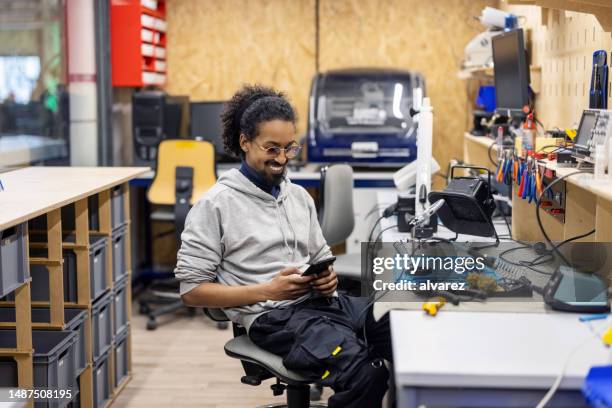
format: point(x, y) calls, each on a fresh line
point(583, 136)
point(206, 124)
point(176, 117)
point(511, 73)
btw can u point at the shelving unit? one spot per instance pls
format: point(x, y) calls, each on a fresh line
point(28, 194)
point(483, 73)
point(22, 353)
point(138, 42)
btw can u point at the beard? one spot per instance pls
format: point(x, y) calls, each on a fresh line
point(275, 179)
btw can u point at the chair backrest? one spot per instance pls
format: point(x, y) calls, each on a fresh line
point(197, 154)
point(336, 211)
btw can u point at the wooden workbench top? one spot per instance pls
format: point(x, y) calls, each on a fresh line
point(482, 140)
point(32, 191)
point(600, 188)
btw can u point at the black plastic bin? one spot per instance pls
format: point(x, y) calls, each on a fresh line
point(120, 268)
point(13, 264)
point(120, 301)
point(74, 320)
point(54, 357)
point(97, 271)
point(101, 321)
point(101, 381)
point(68, 214)
point(121, 357)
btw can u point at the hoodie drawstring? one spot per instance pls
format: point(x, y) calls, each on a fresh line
point(278, 215)
point(292, 231)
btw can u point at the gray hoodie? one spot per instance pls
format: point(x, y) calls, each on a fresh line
point(237, 234)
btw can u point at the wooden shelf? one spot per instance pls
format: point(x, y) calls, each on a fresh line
point(13, 352)
point(122, 385)
point(601, 9)
point(30, 196)
point(485, 73)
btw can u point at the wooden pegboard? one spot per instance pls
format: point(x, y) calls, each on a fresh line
point(562, 43)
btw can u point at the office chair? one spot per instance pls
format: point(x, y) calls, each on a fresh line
point(148, 108)
point(260, 365)
point(336, 216)
point(185, 170)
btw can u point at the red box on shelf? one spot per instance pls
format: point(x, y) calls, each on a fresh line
point(138, 40)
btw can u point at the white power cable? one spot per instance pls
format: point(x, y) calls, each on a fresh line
point(553, 389)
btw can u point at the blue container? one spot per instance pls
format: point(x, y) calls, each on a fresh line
point(486, 98)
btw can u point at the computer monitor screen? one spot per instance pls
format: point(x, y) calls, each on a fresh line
point(511, 72)
point(584, 130)
point(206, 124)
point(176, 117)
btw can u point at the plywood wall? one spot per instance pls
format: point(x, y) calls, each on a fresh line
point(562, 45)
point(214, 46)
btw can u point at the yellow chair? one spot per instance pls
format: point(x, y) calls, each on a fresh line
point(185, 169)
point(197, 154)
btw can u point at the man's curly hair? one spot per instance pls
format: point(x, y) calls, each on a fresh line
point(250, 106)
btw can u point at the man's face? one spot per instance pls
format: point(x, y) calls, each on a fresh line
point(274, 133)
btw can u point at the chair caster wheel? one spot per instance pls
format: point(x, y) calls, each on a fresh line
point(144, 309)
point(222, 325)
point(315, 392)
point(151, 324)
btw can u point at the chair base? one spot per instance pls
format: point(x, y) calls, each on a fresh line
point(298, 396)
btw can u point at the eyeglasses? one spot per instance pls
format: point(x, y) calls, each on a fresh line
point(275, 151)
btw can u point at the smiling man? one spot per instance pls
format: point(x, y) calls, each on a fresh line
point(246, 243)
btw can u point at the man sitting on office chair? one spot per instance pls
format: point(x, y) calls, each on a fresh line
point(246, 243)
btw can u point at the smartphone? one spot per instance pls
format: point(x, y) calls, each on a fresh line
point(319, 267)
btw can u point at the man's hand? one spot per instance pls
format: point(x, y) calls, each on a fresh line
point(326, 282)
point(288, 284)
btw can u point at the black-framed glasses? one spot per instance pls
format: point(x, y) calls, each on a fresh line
point(274, 151)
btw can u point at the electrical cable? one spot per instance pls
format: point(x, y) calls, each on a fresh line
point(489, 150)
point(371, 247)
point(539, 260)
point(376, 299)
point(374, 227)
point(557, 148)
point(507, 224)
point(377, 207)
point(537, 210)
point(555, 386)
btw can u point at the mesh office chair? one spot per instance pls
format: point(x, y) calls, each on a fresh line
point(260, 365)
point(337, 218)
point(185, 170)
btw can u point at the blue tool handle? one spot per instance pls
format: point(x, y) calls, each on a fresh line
point(588, 318)
point(599, 81)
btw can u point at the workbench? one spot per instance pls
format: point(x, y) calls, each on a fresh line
point(588, 205)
